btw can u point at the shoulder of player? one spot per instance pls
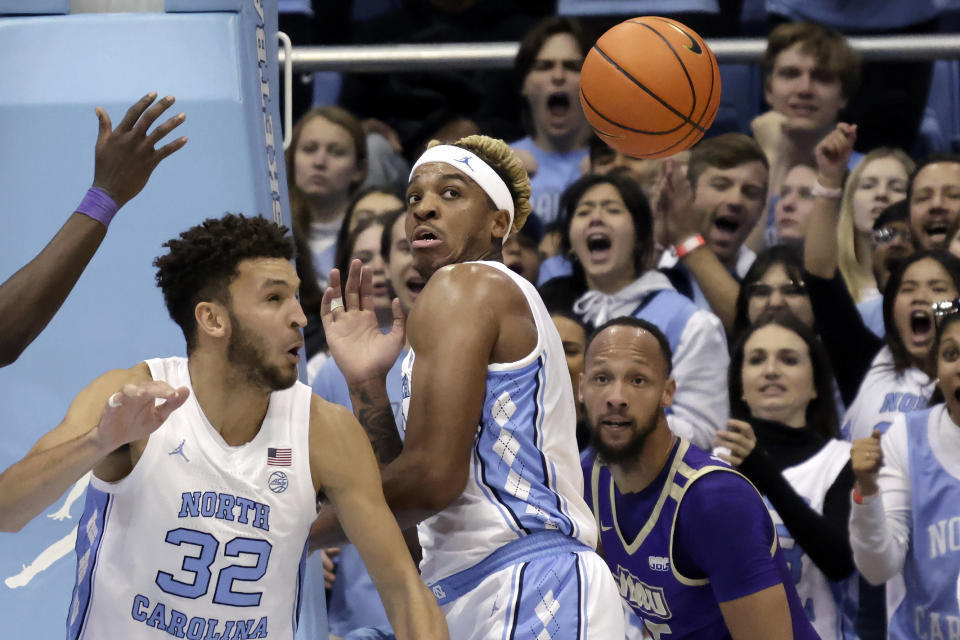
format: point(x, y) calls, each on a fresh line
point(325, 415)
point(112, 381)
point(717, 490)
point(471, 284)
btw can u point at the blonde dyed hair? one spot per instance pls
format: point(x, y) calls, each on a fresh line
point(507, 165)
point(853, 267)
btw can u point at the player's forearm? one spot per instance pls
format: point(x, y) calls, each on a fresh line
point(413, 611)
point(409, 499)
point(34, 483)
point(410, 606)
point(416, 486)
point(371, 406)
point(31, 297)
point(718, 286)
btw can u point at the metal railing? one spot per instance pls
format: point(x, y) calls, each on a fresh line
point(500, 55)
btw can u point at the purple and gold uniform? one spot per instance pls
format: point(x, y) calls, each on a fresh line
point(697, 536)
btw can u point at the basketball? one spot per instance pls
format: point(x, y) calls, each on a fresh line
point(650, 87)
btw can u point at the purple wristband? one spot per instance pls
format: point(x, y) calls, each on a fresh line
point(98, 205)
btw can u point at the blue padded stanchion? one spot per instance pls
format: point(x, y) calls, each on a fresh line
point(218, 57)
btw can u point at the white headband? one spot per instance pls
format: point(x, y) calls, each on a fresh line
point(481, 173)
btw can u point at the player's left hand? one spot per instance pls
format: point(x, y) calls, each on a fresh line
point(125, 157)
point(739, 439)
point(133, 413)
point(361, 351)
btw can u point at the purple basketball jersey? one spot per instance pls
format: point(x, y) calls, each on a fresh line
point(674, 565)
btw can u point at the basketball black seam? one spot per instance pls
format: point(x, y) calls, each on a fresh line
point(674, 25)
point(651, 93)
point(690, 130)
point(625, 127)
point(693, 90)
point(714, 71)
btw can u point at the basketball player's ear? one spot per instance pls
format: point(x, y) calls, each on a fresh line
point(670, 388)
point(212, 319)
point(501, 223)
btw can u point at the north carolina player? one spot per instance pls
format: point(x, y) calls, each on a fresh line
point(489, 460)
point(206, 469)
point(688, 539)
point(906, 504)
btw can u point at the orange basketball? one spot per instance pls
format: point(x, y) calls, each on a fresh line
point(650, 87)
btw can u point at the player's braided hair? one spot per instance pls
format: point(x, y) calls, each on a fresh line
point(202, 262)
point(507, 165)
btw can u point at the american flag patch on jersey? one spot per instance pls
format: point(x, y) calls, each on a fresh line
point(279, 457)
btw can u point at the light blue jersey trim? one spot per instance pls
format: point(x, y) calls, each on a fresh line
point(513, 602)
point(96, 512)
point(513, 467)
point(478, 476)
point(525, 549)
point(549, 468)
point(581, 598)
point(297, 600)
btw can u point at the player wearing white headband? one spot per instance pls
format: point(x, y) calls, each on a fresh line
point(488, 465)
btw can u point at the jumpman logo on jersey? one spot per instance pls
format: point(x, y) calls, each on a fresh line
point(465, 160)
point(179, 450)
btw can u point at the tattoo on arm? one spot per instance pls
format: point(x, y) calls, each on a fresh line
point(375, 414)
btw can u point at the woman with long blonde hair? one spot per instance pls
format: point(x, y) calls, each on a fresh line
point(879, 180)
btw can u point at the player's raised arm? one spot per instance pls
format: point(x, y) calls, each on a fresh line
point(124, 159)
point(364, 354)
point(121, 407)
point(346, 471)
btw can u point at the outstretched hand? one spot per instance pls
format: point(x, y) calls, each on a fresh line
point(125, 157)
point(133, 413)
point(833, 154)
point(361, 350)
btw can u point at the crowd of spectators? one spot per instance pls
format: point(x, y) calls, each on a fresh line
point(824, 228)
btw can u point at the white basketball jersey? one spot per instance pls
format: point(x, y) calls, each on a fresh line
point(883, 394)
point(811, 479)
point(201, 539)
point(524, 468)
